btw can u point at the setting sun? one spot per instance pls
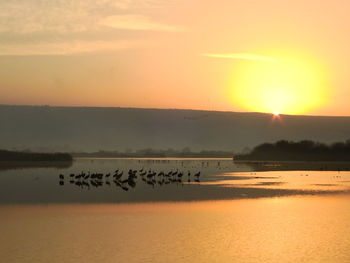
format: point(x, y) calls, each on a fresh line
point(287, 85)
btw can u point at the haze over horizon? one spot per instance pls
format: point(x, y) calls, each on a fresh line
point(240, 56)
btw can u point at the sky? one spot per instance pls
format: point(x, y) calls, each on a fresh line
point(288, 57)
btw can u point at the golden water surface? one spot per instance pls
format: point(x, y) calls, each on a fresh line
point(233, 214)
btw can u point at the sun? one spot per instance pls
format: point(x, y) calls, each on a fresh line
point(288, 85)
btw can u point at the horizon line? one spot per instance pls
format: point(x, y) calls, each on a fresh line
point(179, 109)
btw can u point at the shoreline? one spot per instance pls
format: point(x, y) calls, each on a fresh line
point(34, 164)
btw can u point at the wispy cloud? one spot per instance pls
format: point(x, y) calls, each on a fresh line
point(44, 28)
point(247, 56)
point(67, 48)
point(65, 16)
point(138, 4)
point(137, 22)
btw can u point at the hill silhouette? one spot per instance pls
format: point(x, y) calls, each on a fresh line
point(83, 129)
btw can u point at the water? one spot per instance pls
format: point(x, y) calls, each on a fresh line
point(234, 214)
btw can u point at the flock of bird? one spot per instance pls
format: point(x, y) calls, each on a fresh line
point(150, 177)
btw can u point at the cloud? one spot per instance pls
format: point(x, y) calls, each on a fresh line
point(67, 48)
point(68, 27)
point(247, 56)
point(139, 4)
point(137, 22)
point(66, 16)
point(32, 16)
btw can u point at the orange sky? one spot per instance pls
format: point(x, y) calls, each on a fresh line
point(149, 53)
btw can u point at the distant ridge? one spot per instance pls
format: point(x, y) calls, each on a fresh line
point(171, 109)
point(91, 129)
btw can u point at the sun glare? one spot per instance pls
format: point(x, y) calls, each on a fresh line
point(285, 85)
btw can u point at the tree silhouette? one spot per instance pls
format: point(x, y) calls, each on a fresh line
point(305, 150)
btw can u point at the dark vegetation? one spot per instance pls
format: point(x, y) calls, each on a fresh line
point(153, 153)
point(14, 156)
point(299, 151)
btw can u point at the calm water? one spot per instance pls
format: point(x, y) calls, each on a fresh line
point(232, 214)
